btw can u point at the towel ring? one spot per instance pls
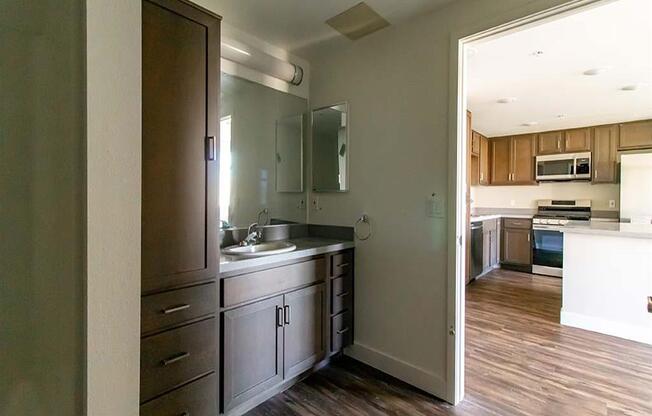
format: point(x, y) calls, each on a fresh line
point(364, 218)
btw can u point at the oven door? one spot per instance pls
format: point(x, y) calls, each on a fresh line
point(548, 251)
point(556, 167)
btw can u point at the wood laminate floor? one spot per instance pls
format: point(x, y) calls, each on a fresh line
point(519, 361)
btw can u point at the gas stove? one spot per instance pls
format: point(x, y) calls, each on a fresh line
point(548, 241)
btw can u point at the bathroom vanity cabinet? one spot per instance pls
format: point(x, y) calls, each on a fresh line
point(280, 322)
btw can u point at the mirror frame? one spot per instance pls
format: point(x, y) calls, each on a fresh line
point(348, 148)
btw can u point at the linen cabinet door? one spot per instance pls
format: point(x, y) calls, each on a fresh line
point(253, 350)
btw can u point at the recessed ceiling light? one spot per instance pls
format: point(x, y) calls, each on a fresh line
point(595, 71)
point(634, 87)
point(506, 100)
point(530, 123)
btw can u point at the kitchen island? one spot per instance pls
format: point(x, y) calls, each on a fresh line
point(607, 279)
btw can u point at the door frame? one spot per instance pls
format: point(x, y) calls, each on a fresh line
point(457, 170)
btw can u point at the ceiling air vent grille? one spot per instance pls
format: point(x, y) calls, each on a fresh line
point(358, 21)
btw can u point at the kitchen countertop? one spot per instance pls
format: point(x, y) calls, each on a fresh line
point(306, 247)
point(487, 217)
point(615, 229)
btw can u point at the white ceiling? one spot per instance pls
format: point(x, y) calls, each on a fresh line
point(616, 36)
point(293, 24)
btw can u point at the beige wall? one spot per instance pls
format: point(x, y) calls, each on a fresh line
point(526, 196)
point(113, 206)
point(397, 84)
point(41, 207)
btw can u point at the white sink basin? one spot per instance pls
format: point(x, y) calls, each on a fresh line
point(262, 249)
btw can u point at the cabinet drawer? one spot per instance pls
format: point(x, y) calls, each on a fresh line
point(245, 288)
point(176, 306)
point(523, 223)
point(198, 398)
point(341, 263)
point(341, 294)
point(341, 331)
point(174, 357)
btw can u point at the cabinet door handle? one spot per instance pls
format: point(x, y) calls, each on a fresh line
point(558, 144)
point(279, 317)
point(342, 331)
point(286, 314)
point(173, 309)
point(175, 358)
point(347, 293)
point(343, 265)
point(649, 304)
point(210, 148)
point(528, 237)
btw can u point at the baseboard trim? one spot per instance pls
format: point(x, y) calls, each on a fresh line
point(418, 377)
point(607, 327)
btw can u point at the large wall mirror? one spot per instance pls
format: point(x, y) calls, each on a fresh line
point(261, 154)
point(330, 149)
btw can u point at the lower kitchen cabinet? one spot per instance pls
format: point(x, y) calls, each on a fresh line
point(253, 350)
point(516, 245)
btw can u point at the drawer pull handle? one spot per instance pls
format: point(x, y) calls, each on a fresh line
point(175, 358)
point(342, 331)
point(279, 317)
point(174, 309)
point(347, 293)
point(286, 314)
point(343, 265)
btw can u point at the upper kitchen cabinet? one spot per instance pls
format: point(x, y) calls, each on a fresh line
point(577, 140)
point(475, 143)
point(605, 142)
point(635, 135)
point(549, 143)
point(512, 160)
point(484, 161)
point(180, 92)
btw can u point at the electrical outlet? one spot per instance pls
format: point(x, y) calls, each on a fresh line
point(301, 204)
point(315, 203)
point(612, 203)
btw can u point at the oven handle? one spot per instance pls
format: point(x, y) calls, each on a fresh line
point(547, 228)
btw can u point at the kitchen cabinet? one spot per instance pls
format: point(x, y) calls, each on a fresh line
point(475, 143)
point(179, 231)
point(549, 143)
point(512, 160)
point(577, 140)
point(516, 246)
point(605, 143)
point(484, 161)
point(635, 135)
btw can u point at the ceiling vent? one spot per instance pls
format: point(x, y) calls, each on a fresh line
point(358, 21)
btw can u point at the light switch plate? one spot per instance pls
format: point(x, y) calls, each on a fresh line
point(434, 206)
point(612, 203)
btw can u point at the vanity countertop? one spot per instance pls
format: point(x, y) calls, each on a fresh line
point(306, 247)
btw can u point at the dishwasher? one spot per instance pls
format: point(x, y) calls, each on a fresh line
point(476, 249)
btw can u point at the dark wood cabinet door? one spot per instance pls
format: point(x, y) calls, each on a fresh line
point(304, 316)
point(501, 166)
point(549, 143)
point(484, 161)
point(180, 93)
point(577, 140)
point(605, 142)
point(523, 159)
point(253, 350)
point(635, 135)
point(516, 246)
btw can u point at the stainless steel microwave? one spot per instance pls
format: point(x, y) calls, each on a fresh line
point(564, 167)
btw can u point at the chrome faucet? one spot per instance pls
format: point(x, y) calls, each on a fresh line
point(254, 235)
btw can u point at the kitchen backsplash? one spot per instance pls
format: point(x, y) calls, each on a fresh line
point(525, 197)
